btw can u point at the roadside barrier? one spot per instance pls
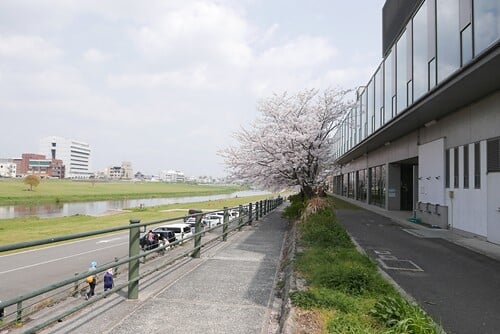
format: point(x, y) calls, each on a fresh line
point(16, 311)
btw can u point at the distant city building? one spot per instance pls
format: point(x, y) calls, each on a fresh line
point(172, 176)
point(38, 164)
point(8, 168)
point(123, 172)
point(74, 154)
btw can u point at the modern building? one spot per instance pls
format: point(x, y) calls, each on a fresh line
point(424, 135)
point(74, 154)
point(38, 164)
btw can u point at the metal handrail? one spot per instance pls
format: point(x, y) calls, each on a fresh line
point(256, 210)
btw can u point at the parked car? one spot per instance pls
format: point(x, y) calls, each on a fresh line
point(193, 213)
point(212, 220)
point(191, 221)
point(181, 230)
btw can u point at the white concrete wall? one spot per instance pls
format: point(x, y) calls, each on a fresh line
point(431, 172)
point(468, 208)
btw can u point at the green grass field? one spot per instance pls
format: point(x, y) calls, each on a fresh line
point(14, 191)
point(34, 228)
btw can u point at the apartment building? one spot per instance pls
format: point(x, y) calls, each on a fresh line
point(424, 135)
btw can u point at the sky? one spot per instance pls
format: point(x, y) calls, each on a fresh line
point(164, 84)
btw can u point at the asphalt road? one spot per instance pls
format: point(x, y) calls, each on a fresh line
point(459, 288)
point(30, 270)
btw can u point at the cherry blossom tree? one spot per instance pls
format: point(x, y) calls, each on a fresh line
point(290, 144)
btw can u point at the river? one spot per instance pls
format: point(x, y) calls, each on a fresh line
point(97, 208)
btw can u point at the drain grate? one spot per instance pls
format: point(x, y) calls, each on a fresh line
point(399, 265)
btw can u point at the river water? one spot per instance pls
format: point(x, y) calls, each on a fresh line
point(98, 208)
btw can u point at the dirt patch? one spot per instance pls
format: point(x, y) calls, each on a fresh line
point(308, 322)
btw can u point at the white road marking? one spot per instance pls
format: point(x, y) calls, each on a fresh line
point(107, 240)
point(59, 259)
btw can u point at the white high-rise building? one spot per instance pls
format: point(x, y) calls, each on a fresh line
point(74, 154)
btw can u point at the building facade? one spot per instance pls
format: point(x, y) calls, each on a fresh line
point(123, 172)
point(74, 154)
point(424, 136)
point(172, 176)
point(38, 164)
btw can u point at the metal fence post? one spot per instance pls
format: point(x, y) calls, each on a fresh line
point(197, 238)
point(225, 224)
point(75, 287)
point(115, 271)
point(250, 213)
point(260, 207)
point(256, 211)
point(240, 217)
point(133, 266)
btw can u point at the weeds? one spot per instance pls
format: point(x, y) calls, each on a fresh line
point(343, 280)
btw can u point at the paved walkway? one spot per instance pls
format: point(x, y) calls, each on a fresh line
point(454, 277)
point(230, 289)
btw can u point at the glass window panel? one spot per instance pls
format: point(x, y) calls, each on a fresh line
point(378, 95)
point(371, 107)
point(466, 166)
point(420, 64)
point(448, 37)
point(477, 166)
point(401, 73)
point(364, 115)
point(486, 23)
point(388, 89)
point(466, 43)
point(432, 73)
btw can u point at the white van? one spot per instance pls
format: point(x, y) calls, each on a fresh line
point(181, 230)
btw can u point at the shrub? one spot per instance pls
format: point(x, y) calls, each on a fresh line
point(296, 207)
point(402, 317)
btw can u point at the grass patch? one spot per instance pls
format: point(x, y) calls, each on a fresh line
point(14, 191)
point(346, 285)
point(34, 228)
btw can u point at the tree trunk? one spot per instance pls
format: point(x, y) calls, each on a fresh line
point(307, 191)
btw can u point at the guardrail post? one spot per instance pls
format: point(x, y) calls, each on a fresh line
point(197, 238)
point(250, 213)
point(133, 266)
point(240, 217)
point(75, 287)
point(19, 316)
point(115, 271)
point(261, 211)
point(256, 211)
point(225, 224)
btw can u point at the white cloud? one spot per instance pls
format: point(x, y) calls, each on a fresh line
point(33, 48)
point(199, 32)
point(95, 56)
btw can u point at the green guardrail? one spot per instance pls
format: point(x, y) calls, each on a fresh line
point(10, 316)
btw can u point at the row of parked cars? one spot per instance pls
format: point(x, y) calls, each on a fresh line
point(179, 231)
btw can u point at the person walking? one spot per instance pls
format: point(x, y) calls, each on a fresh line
point(108, 280)
point(91, 280)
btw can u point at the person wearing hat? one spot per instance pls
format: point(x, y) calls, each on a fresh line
point(92, 280)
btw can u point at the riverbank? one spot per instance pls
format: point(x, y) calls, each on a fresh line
point(15, 192)
point(34, 228)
